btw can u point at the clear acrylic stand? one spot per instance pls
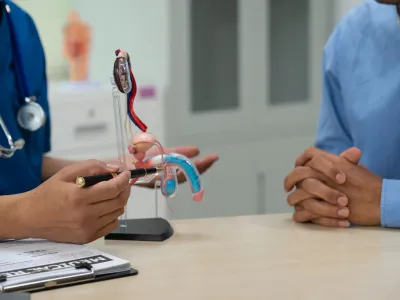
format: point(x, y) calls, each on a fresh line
point(148, 229)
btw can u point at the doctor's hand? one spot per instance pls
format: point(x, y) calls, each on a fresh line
point(202, 164)
point(59, 210)
point(359, 185)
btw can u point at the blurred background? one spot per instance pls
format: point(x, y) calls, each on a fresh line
point(238, 78)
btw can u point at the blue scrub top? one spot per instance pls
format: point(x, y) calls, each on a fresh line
point(361, 96)
point(22, 172)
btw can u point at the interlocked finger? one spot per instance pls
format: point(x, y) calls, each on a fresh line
point(298, 196)
point(301, 215)
point(328, 168)
point(324, 209)
point(324, 192)
point(299, 174)
point(331, 222)
point(310, 153)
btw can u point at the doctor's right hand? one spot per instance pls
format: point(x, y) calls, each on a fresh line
point(60, 211)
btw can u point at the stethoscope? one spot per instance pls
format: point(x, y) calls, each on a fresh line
point(31, 115)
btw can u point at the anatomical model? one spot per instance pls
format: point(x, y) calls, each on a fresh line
point(144, 149)
point(77, 39)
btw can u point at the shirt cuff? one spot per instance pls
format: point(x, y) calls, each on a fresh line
point(390, 203)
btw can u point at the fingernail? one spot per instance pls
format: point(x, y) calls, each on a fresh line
point(340, 178)
point(344, 224)
point(112, 166)
point(343, 201)
point(344, 212)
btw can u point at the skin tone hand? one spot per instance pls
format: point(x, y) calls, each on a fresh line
point(342, 178)
point(60, 211)
point(202, 164)
point(142, 145)
point(311, 189)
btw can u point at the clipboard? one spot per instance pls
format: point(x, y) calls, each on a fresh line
point(64, 281)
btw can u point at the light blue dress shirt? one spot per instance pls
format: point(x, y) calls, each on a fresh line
point(361, 96)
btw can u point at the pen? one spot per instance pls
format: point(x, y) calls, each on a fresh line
point(87, 181)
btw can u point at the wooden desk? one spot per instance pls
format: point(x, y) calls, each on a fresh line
point(255, 257)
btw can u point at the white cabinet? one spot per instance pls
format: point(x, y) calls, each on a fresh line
point(208, 90)
point(82, 118)
point(239, 64)
point(276, 158)
point(230, 187)
point(248, 178)
point(245, 73)
point(289, 55)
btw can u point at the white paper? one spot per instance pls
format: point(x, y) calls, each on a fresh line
point(31, 259)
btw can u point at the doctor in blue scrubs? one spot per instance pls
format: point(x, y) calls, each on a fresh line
point(38, 194)
point(352, 175)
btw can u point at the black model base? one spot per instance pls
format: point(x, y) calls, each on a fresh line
point(149, 230)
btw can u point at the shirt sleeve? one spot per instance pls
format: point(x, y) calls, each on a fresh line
point(390, 203)
point(332, 134)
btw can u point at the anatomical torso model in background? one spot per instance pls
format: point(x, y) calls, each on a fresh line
point(77, 38)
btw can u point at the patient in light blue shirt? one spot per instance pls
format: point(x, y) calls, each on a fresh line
point(360, 108)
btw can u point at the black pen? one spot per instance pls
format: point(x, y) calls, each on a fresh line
point(87, 181)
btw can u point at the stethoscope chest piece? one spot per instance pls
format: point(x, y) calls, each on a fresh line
point(31, 115)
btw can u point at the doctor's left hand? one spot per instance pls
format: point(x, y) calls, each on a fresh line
point(202, 164)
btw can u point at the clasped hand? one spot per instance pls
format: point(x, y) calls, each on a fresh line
point(333, 190)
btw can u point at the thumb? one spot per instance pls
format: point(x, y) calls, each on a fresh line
point(86, 168)
point(353, 155)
